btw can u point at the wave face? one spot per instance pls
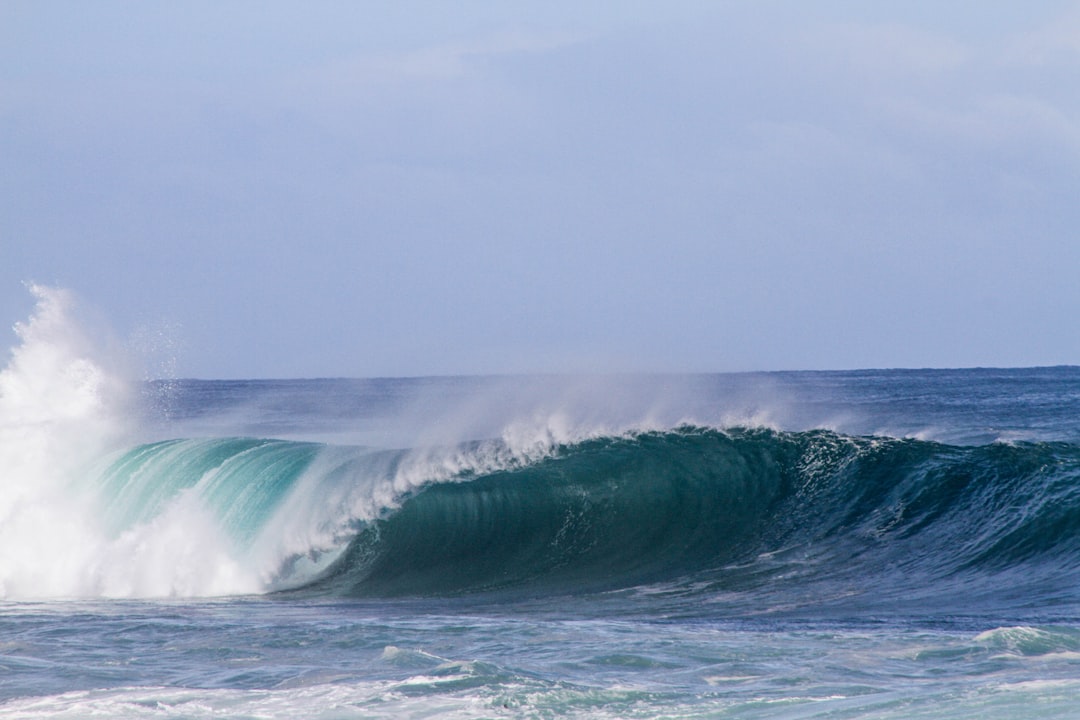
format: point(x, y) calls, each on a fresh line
point(747, 510)
point(602, 513)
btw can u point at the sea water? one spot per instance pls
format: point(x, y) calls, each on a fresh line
point(868, 544)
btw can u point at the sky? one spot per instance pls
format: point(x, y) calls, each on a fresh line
point(271, 189)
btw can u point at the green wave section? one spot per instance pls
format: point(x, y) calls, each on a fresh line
point(242, 480)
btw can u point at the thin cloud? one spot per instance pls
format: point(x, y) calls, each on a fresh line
point(437, 62)
point(1055, 43)
point(885, 50)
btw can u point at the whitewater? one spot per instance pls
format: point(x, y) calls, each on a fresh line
point(858, 544)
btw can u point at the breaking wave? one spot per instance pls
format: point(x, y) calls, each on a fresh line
point(762, 514)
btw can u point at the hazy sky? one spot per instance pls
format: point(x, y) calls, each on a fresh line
point(268, 189)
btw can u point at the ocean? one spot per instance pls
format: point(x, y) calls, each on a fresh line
point(856, 544)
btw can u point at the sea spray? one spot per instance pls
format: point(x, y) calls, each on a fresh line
point(63, 405)
point(59, 408)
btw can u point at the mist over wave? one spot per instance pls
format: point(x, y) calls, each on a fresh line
point(94, 503)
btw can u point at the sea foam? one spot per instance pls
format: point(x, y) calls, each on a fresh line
point(63, 405)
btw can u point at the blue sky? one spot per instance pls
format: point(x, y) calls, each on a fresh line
point(266, 189)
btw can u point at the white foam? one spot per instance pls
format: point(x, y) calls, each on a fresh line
point(57, 412)
point(63, 405)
